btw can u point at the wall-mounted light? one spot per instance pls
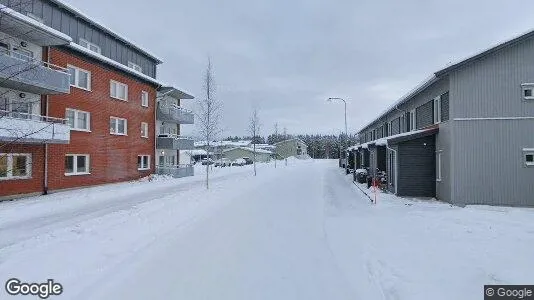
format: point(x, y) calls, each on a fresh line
point(23, 44)
point(22, 95)
point(162, 152)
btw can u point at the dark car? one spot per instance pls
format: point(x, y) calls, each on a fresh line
point(248, 161)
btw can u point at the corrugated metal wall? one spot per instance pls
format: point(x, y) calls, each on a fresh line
point(488, 163)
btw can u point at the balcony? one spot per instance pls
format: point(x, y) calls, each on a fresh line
point(33, 76)
point(24, 128)
point(174, 114)
point(176, 171)
point(175, 142)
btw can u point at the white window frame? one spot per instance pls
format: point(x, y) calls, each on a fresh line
point(413, 120)
point(144, 168)
point(76, 112)
point(144, 99)
point(10, 166)
point(89, 44)
point(144, 127)
point(437, 110)
point(117, 126)
point(527, 86)
point(111, 83)
point(77, 71)
point(136, 67)
point(75, 165)
point(528, 151)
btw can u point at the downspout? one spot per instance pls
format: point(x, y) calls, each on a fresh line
point(396, 167)
point(45, 177)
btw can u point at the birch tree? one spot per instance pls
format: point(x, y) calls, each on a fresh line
point(254, 130)
point(208, 113)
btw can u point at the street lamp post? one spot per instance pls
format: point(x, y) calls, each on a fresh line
point(346, 131)
point(345, 102)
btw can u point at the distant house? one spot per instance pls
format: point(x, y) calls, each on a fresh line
point(240, 152)
point(217, 148)
point(291, 147)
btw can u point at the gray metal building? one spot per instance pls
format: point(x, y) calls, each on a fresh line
point(466, 134)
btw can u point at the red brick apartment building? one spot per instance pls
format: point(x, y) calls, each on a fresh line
point(77, 103)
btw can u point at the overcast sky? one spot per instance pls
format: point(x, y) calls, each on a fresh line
point(285, 57)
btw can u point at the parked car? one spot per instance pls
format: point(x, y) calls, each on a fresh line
point(207, 161)
point(223, 162)
point(248, 161)
point(239, 162)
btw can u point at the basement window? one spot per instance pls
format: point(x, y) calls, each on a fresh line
point(528, 91)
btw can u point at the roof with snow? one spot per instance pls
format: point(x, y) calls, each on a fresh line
point(223, 143)
point(250, 150)
point(175, 92)
point(451, 67)
point(121, 38)
point(412, 135)
point(14, 23)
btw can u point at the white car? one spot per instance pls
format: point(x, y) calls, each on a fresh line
point(239, 162)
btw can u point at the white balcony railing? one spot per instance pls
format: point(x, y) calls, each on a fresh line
point(18, 127)
point(25, 73)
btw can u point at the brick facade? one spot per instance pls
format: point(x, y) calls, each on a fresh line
point(113, 158)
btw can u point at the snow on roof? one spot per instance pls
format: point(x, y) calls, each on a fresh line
point(121, 66)
point(353, 147)
point(223, 143)
point(250, 149)
point(33, 22)
point(435, 76)
point(413, 92)
point(83, 16)
point(486, 51)
point(113, 63)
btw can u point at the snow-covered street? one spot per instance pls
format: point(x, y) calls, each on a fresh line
point(301, 231)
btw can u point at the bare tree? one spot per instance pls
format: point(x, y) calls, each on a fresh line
point(275, 138)
point(254, 130)
point(208, 113)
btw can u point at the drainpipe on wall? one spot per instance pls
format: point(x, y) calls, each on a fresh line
point(396, 167)
point(45, 177)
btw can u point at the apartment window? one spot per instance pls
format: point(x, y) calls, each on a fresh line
point(118, 126)
point(76, 164)
point(413, 120)
point(437, 110)
point(143, 162)
point(135, 66)
point(144, 98)
point(79, 78)
point(529, 156)
point(15, 166)
point(78, 119)
point(144, 129)
point(91, 46)
point(118, 90)
point(438, 166)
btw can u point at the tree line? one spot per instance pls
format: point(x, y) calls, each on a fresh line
point(319, 145)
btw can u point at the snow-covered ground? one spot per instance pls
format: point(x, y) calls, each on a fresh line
point(301, 231)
